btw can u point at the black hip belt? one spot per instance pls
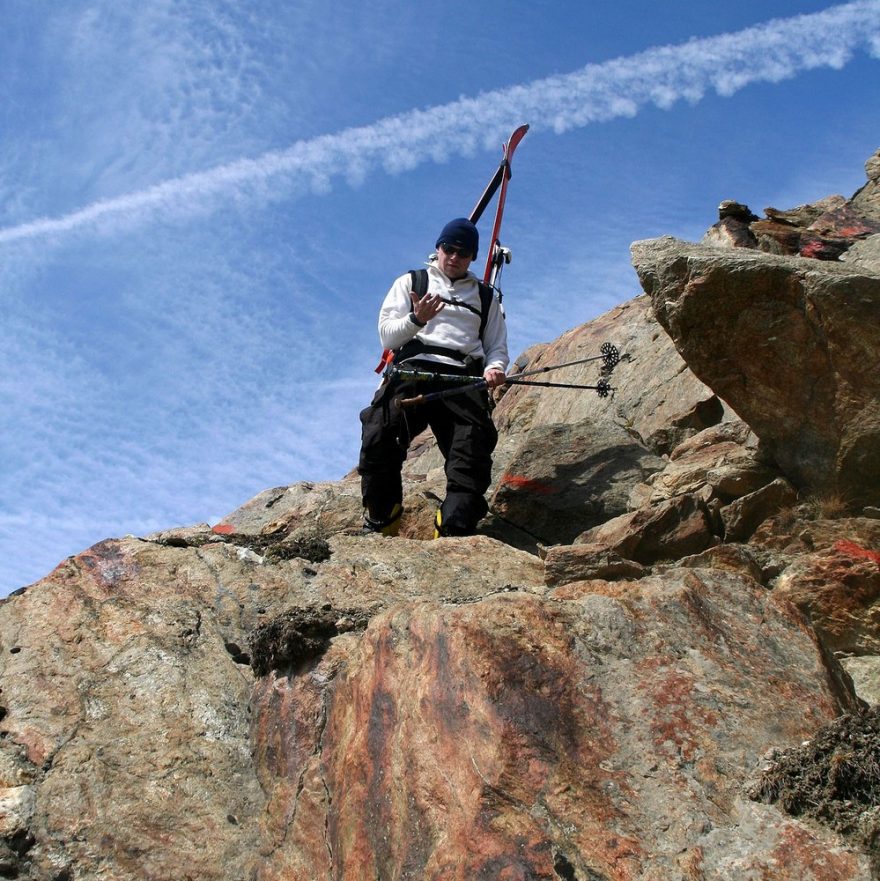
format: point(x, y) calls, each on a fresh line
point(415, 347)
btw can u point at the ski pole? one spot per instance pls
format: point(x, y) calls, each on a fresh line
point(602, 388)
point(610, 356)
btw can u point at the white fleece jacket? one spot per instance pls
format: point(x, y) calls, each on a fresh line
point(453, 327)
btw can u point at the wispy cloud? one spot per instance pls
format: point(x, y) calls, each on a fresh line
point(661, 77)
point(139, 405)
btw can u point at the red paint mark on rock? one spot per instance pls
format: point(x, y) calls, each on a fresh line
point(223, 529)
point(854, 550)
point(529, 484)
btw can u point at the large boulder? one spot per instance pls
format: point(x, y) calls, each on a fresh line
point(790, 343)
point(580, 735)
point(126, 743)
point(251, 704)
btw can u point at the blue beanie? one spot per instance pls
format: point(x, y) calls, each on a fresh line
point(460, 232)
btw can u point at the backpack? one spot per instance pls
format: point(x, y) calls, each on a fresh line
point(419, 283)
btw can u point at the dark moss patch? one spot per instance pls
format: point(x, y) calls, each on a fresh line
point(313, 549)
point(300, 634)
point(272, 548)
point(834, 778)
point(237, 655)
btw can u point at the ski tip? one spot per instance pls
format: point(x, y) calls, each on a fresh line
point(514, 139)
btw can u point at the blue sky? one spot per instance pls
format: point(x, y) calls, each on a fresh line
point(202, 204)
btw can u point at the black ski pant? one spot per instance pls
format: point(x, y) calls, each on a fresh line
point(465, 434)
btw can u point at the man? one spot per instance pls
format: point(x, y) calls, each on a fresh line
point(439, 332)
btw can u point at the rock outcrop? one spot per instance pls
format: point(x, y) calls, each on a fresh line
point(786, 342)
point(632, 672)
point(834, 228)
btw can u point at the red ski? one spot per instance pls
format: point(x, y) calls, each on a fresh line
point(497, 255)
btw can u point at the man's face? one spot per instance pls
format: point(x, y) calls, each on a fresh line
point(451, 262)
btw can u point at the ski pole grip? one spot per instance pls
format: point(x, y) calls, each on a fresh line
point(411, 402)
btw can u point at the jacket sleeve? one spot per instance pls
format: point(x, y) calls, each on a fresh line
point(495, 339)
point(395, 327)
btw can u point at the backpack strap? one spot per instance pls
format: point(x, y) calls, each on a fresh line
point(419, 284)
point(418, 280)
point(486, 295)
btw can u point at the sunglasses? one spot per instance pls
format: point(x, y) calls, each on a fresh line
point(464, 253)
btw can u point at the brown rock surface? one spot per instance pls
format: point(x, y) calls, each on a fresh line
point(718, 462)
point(744, 515)
point(566, 478)
point(566, 563)
point(789, 343)
point(653, 389)
point(867, 199)
point(732, 232)
point(676, 528)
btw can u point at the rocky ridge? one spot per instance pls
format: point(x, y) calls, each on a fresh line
point(676, 588)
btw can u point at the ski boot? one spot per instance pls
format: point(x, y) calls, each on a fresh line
point(390, 526)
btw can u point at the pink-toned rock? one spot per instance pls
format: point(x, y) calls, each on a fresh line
point(126, 750)
point(845, 222)
point(839, 588)
point(583, 736)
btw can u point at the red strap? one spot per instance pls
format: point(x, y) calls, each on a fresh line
point(387, 358)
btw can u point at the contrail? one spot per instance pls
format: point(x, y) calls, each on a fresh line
point(771, 52)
